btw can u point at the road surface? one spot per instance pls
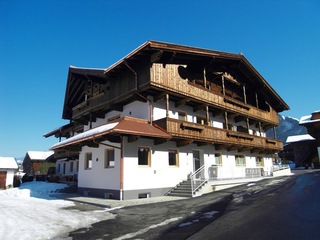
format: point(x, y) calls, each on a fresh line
point(278, 208)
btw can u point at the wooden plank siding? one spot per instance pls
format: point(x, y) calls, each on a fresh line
point(169, 79)
point(203, 133)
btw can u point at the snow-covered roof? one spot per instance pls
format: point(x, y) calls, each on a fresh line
point(307, 119)
point(8, 163)
point(37, 155)
point(299, 138)
point(87, 134)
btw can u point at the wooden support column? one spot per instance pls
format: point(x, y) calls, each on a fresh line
point(207, 116)
point(260, 128)
point(223, 87)
point(248, 125)
point(257, 101)
point(167, 105)
point(274, 132)
point(204, 78)
point(244, 94)
point(226, 120)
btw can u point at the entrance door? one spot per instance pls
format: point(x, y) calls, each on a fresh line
point(196, 160)
point(3, 179)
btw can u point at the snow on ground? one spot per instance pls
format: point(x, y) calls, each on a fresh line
point(29, 212)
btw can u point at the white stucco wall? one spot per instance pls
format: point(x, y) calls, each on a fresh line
point(99, 176)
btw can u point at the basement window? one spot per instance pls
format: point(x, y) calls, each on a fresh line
point(144, 195)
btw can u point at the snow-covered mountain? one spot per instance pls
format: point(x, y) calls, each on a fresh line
point(288, 126)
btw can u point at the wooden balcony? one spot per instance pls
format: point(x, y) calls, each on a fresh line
point(169, 81)
point(189, 132)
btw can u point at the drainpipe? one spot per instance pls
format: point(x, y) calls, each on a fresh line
point(121, 169)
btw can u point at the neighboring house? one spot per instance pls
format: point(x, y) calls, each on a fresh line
point(301, 149)
point(8, 168)
point(167, 113)
point(312, 123)
point(37, 162)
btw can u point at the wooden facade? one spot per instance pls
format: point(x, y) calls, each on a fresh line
point(221, 84)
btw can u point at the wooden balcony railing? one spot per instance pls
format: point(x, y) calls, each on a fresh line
point(203, 133)
point(170, 81)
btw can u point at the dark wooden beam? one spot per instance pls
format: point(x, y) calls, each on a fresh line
point(159, 96)
point(181, 143)
point(199, 107)
point(182, 102)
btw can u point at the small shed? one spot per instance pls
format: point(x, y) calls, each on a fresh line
point(8, 167)
point(37, 162)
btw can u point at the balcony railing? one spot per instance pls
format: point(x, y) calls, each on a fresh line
point(171, 82)
point(203, 133)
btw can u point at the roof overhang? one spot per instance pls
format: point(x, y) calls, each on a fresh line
point(122, 127)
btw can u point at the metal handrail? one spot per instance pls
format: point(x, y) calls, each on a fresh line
point(194, 186)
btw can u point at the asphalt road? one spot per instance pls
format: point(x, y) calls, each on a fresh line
point(278, 208)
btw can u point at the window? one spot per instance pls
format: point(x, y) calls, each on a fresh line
point(88, 161)
point(109, 158)
point(144, 156)
point(259, 161)
point(201, 120)
point(218, 159)
point(173, 157)
point(182, 116)
point(240, 160)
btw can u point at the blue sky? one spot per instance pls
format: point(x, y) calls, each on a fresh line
point(39, 40)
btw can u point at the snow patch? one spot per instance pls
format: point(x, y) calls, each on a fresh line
point(30, 212)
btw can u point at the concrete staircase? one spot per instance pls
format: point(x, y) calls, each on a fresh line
point(183, 189)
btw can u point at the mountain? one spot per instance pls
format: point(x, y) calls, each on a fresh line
point(288, 126)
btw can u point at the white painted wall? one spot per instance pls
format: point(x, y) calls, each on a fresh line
point(99, 176)
point(159, 174)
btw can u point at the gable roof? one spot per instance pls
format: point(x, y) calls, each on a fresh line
point(38, 155)
point(122, 126)
point(8, 163)
point(161, 52)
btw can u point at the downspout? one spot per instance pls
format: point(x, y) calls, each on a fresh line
point(121, 169)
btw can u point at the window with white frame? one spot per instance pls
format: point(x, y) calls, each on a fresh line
point(144, 156)
point(88, 161)
point(109, 158)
